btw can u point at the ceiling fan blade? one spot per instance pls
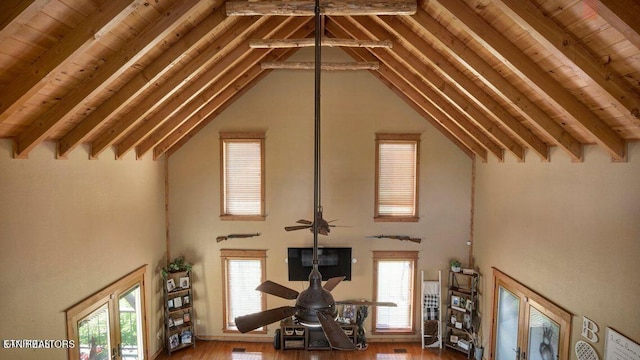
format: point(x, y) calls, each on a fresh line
point(334, 333)
point(250, 322)
point(366, 303)
point(278, 290)
point(296, 227)
point(303, 221)
point(333, 282)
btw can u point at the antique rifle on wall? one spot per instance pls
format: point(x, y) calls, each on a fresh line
point(235, 236)
point(397, 237)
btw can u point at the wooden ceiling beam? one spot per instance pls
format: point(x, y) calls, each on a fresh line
point(426, 98)
point(195, 98)
point(63, 53)
point(525, 68)
point(495, 81)
point(242, 84)
point(332, 7)
point(623, 15)
point(329, 66)
point(17, 12)
point(220, 45)
point(204, 31)
point(566, 47)
point(474, 121)
point(310, 42)
point(114, 66)
point(464, 93)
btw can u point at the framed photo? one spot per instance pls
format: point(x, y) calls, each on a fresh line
point(458, 325)
point(170, 303)
point(184, 282)
point(186, 317)
point(349, 312)
point(185, 336)
point(177, 302)
point(469, 305)
point(185, 300)
point(174, 341)
point(171, 323)
point(455, 301)
point(171, 285)
point(454, 339)
point(178, 321)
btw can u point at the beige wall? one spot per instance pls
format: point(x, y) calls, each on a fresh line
point(68, 228)
point(569, 231)
point(355, 106)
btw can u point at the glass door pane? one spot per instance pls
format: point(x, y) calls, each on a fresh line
point(130, 309)
point(507, 325)
point(94, 335)
point(544, 336)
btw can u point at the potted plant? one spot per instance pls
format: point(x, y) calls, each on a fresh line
point(178, 264)
point(455, 265)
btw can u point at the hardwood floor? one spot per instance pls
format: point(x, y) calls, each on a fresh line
point(225, 350)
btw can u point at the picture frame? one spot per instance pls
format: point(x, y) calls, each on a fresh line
point(468, 305)
point(185, 336)
point(170, 322)
point(177, 302)
point(171, 285)
point(170, 304)
point(178, 321)
point(174, 341)
point(186, 317)
point(185, 300)
point(453, 339)
point(456, 300)
point(184, 282)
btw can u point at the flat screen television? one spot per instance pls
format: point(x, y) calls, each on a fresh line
point(332, 262)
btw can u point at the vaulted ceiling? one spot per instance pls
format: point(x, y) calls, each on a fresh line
point(494, 76)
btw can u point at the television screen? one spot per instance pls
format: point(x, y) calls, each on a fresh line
point(332, 262)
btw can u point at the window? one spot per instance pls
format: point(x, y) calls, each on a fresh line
point(397, 177)
point(242, 175)
point(394, 278)
point(242, 271)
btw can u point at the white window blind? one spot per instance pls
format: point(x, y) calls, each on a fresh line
point(394, 284)
point(242, 177)
point(397, 166)
point(243, 276)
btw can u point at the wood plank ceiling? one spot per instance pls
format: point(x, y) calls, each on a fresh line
point(494, 76)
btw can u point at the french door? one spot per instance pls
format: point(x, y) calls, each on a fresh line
point(110, 325)
point(525, 325)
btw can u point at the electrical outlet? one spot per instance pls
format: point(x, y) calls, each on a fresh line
point(198, 322)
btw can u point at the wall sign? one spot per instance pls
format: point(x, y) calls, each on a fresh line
point(590, 330)
point(619, 347)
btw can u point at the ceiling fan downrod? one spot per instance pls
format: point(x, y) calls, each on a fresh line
point(317, 208)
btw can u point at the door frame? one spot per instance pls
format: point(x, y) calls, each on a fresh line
point(109, 295)
point(528, 299)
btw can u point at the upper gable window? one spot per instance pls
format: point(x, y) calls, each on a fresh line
point(242, 169)
point(396, 197)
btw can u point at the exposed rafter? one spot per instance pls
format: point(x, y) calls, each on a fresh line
point(505, 78)
point(573, 53)
point(529, 71)
point(63, 54)
point(113, 68)
point(460, 52)
point(332, 7)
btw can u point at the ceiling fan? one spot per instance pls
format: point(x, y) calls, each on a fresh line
point(323, 225)
point(314, 306)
